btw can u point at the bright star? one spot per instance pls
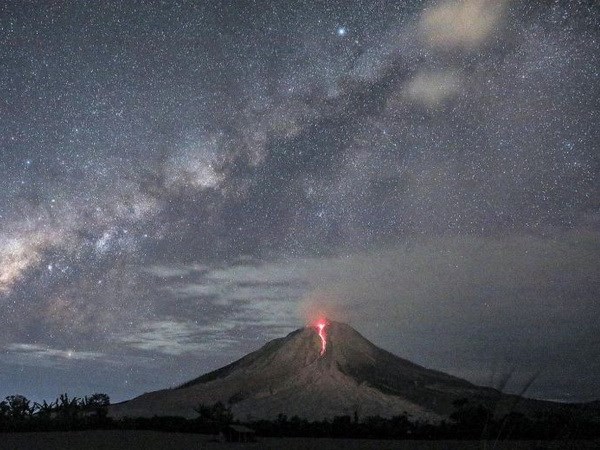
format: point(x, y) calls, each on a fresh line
point(342, 31)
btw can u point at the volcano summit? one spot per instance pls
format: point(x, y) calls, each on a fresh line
point(318, 372)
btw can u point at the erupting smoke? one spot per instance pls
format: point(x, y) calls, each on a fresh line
point(322, 306)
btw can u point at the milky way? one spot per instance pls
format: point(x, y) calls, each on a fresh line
point(182, 181)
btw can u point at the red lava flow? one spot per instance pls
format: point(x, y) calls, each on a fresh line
point(321, 327)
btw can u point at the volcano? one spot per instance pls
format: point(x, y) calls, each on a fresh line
point(319, 372)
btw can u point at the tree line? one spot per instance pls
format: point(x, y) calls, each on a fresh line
point(18, 413)
point(469, 420)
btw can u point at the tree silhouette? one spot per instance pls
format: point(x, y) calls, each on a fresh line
point(470, 418)
point(68, 408)
point(98, 403)
point(19, 407)
point(45, 409)
point(217, 414)
point(4, 411)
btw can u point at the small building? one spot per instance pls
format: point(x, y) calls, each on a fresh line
point(240, 433)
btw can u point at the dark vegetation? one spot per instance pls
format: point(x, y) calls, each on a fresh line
point(17, 413)
point(468, 421)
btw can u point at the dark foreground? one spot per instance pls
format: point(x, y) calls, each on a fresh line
point(150, 440)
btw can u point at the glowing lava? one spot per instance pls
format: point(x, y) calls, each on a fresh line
point(321, 327)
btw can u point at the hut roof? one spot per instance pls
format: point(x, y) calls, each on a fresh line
point(241, 429)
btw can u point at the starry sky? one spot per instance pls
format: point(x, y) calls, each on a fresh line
point(182, 181)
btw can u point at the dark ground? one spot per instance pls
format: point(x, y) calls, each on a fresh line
point(151, 440)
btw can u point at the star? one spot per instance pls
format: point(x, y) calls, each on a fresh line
point(134, 181)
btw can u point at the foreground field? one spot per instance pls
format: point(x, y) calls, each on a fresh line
point(152, 440)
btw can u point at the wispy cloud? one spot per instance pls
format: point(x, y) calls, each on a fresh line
point(173, 337)
point(173, 271)
point(40, 355)
point(432, 88)
point(461, 23)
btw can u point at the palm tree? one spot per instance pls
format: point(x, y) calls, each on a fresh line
point(45, 409)
point(19, 407)
point(98, 403)
point(4, 411)
point(68, 408)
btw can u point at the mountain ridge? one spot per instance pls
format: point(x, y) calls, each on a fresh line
point(353, 376)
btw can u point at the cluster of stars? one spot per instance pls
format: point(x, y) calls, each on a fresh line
point(197, 132)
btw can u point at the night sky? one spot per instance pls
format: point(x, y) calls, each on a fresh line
point(181, 182)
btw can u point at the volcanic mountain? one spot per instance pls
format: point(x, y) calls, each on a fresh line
point(319, 372)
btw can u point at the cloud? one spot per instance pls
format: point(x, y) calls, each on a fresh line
point(173, 337)
point(536, 290)
point(515, 302)
point(461, 23)
point(174, 271)
point(433, 88)
point(270, 272)
point(246, 280)
point(40, 355)
point(193, 290)
point(248, 293)
point(427, 272)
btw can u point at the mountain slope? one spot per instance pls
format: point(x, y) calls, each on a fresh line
point(290, 376)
